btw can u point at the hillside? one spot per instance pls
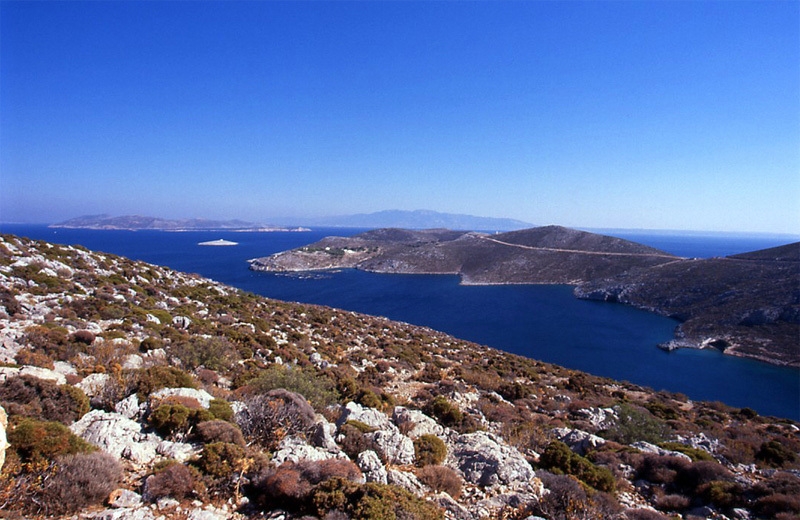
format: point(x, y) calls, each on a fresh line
point(134, 391)
point(745, 305)
point(551, 254)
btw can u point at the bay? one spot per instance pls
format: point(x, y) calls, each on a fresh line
point(543, 322)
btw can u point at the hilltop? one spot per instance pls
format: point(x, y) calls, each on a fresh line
point(134, 391)
point(746, 305)
point(550, 254)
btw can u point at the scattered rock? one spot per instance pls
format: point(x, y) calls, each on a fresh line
point(646, 447)
point(117, 435)
point(295, 449)
point(393, 446)
point(579, 441)
point(201, 396)
point(415, 423)
point(371, 466)
point(120, 498)
point(486, 460)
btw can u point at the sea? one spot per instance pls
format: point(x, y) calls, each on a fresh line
point(543, 322)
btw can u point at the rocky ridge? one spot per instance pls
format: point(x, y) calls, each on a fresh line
point(199, 401)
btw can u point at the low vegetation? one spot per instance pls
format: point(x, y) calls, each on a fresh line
point(105, 335)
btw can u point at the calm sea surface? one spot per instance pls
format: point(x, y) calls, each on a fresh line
point(541, 322)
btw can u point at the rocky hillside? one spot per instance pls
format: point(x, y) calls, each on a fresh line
point(549, 254)
point(746, 305)
point(136, 392)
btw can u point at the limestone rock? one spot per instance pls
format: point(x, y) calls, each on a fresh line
point(371, 466)
point(140, 513)
point(579, 441)
point(94, 384)
point(599, 418)
point(179, 451)
point(202, 397)
point(393, 446)
point(453, 510)
point(369, 416)
point(416, 423)
point(43, 373)
point(129, 407)
point(405, 480)
point(3, 439)
point(295, 449)
point(646, 447)
point(117, 435)
point(120, 498)
point(322, 436)
point(484, 459)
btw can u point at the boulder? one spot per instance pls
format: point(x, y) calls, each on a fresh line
point(415, 423)
point(139, 513)
point(486, 460)
point(369, 416)
point(453, 510)
point(295, 449)
point(405, 480)
point(94, 384)
point(599, 418)
point(179, 451)
point(120, 498)
point(41, 373)
point(393, 446)
point(579, 441)
point(117, 435)
point(372, 467)
point(646, 447)
point(129, 407)
point(181, 322)
point(322, 436)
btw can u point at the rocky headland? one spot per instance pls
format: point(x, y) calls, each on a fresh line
point(746, 305)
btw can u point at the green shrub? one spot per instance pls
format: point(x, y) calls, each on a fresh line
point(636, 424)
point(557, 457)
point(429, 449)
point(150, 379)
point(775, 454)
point(447, 413)
point(44, 400)
point(221, 409)
point(371, 501)
point(39, 441)
point(314, 386)
point(169, 419)
point(219, 459)
point(214, 353)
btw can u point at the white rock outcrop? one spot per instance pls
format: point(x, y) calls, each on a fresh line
point(486, 460)
point(117, 435)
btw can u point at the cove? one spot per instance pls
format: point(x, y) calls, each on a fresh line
point(543, 322)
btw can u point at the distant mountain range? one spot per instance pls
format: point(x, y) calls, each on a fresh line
point(419, 219)
point(138, 222)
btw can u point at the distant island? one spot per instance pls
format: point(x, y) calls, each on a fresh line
point(219, 242)
point(745, 305)
point(418, 219)
point(139, 223)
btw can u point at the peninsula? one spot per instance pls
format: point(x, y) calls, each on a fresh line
point(746, 305)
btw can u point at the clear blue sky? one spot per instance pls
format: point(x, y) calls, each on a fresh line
point(656, 115)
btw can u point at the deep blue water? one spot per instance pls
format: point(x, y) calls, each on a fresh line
point(541, 322)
